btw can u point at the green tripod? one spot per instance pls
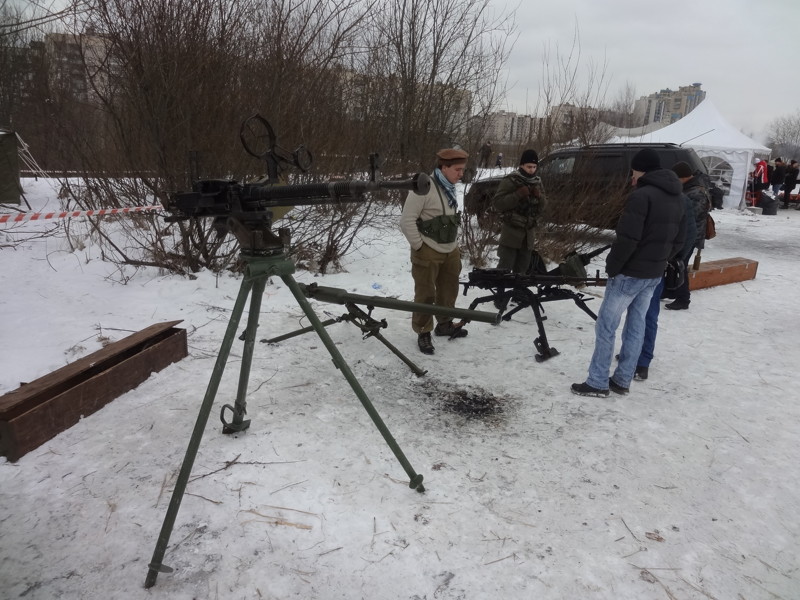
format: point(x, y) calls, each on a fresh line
point(258, 270)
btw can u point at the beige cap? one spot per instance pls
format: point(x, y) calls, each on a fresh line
point(452, 154)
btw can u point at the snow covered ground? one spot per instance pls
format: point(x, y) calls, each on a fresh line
point(687, 488)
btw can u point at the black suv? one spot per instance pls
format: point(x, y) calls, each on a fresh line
point(588, 184)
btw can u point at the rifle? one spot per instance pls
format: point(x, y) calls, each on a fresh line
point(533, 290)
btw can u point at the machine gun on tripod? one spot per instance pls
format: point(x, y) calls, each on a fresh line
point(247, 210)
point(533, 290)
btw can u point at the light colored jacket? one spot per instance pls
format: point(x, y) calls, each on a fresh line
point(425, 207)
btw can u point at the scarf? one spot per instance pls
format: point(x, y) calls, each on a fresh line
point(529, 179)
point(449, 188)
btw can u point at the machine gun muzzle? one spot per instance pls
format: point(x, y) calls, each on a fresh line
point(340, 296)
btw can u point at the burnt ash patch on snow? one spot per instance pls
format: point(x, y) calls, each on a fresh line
point(474, 404)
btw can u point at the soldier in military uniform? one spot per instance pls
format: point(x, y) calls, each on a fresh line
point(520, 200)
point(430, 223)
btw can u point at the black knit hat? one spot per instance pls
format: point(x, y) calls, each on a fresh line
point(645, 160)
point(529, 156)
point(682, 169)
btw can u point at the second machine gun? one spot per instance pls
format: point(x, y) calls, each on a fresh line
point(533, 290)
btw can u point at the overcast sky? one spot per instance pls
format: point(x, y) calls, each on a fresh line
point(745, 53)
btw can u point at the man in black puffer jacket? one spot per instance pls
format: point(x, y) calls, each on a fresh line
point(648, 235)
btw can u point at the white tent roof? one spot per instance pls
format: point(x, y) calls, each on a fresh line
point(707, 131)
point(703, 127)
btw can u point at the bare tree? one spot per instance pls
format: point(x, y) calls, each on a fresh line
point(429, 74)
point(160, 80)
point(571, 95)
point(784, 136)
point(621, 111)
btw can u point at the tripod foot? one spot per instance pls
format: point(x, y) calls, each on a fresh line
point(238, 424)
point(416, 483)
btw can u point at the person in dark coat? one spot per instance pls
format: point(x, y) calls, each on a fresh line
point(696, 191)
point(483, 155)
point(778, 176)
point(789, 182)
point(689, 229)
point(648, 234)
point(520, 200)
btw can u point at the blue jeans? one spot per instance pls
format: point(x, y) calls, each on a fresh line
point(623, 294)
point(651, 327)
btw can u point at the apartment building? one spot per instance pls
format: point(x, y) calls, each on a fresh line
point(667, 106)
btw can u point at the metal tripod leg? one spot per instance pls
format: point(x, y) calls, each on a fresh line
point(415, 478)
point(156, 566)
point(239, 409)
point(416, 370)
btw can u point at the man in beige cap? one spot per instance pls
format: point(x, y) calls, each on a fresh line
point(430, 223)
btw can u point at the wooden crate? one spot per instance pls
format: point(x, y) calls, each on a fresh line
point(720, 272)
point(39, 410)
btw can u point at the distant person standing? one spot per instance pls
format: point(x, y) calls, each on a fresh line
point(789, 182)
point(499, 162)
point(520, 200)
point(697, 193)
point(760, 180)
point(648, 234)
point(430, 224)
point(778, 176)
point(484, 154)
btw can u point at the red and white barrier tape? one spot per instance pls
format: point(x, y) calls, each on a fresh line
point(40, 216)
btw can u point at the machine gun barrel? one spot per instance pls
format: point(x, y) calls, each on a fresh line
point(321, 193)
point(491, 278)
point(340, 296)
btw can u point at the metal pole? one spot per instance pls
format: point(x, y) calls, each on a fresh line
point(340, 296)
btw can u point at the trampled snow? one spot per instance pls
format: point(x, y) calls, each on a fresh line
point(686, 488)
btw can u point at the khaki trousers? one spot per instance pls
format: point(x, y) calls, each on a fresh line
point(435, 282)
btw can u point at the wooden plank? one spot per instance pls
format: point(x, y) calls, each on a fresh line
point(722, 272)
point(26, 426)
point(66, 377)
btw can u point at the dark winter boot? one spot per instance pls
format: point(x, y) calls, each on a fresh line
point(617, 388)
point(447, 328)
point(677, 305)
point(640, 374)
point(584, 389)
point(425, 343)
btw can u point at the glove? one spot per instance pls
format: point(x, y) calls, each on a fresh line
point(536, 192)
point(523, 192)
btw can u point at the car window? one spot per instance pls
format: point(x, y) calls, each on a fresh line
point(604, 166)
point(557, 166)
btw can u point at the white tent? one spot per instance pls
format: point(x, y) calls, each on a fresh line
point(727, 152)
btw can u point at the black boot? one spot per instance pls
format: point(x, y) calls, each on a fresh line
point(450, 330)
point(425, 343)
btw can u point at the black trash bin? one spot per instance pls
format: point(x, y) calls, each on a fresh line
point(769, 205)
